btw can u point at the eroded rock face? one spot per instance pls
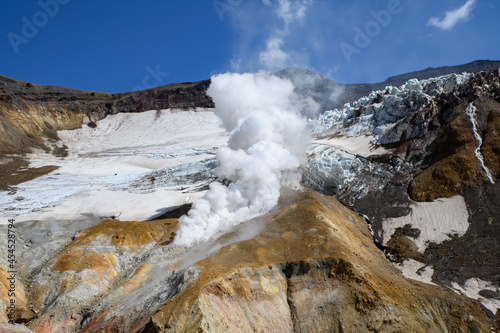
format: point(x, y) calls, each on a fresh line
point(14, 328)
point(94, 272)
point(312, 266)
point(114, 265)
point(454, 163)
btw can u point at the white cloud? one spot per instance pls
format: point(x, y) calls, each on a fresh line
point(291, 11)
point(453, 17)
point(274, 57)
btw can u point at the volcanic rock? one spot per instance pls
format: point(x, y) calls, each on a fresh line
point(308, 265)
point(402, 158)
point(432, 153)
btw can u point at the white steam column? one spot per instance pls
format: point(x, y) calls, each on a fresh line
point(267, 144)
point(471, 112)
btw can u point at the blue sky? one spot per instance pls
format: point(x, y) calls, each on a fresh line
point(124, 45)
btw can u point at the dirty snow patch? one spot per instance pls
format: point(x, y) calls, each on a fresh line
point(359, 145)
point(416, 270)
point(473, 286)
point(437, 221)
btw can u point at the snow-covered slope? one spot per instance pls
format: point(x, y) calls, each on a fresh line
point(132, 166)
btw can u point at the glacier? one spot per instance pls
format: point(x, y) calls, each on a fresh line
point(387, 118)
point(390, 115)
point(114, 169)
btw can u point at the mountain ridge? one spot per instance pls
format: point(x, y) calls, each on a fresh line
point(31, 113)
point(331, 94)
point(471, 67)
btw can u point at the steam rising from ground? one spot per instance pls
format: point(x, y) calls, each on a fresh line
point(266, 147)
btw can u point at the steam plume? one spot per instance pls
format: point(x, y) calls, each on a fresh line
point(266, 147)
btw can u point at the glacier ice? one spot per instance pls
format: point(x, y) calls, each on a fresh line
point(391, 115)
point(333, 171)
point(471, 112)
point(388, 116)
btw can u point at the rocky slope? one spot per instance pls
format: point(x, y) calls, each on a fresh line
point(310, 265)
point(426, 179)
point(29, 112)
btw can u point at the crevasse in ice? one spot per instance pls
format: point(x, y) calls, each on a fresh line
point(389, 114)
